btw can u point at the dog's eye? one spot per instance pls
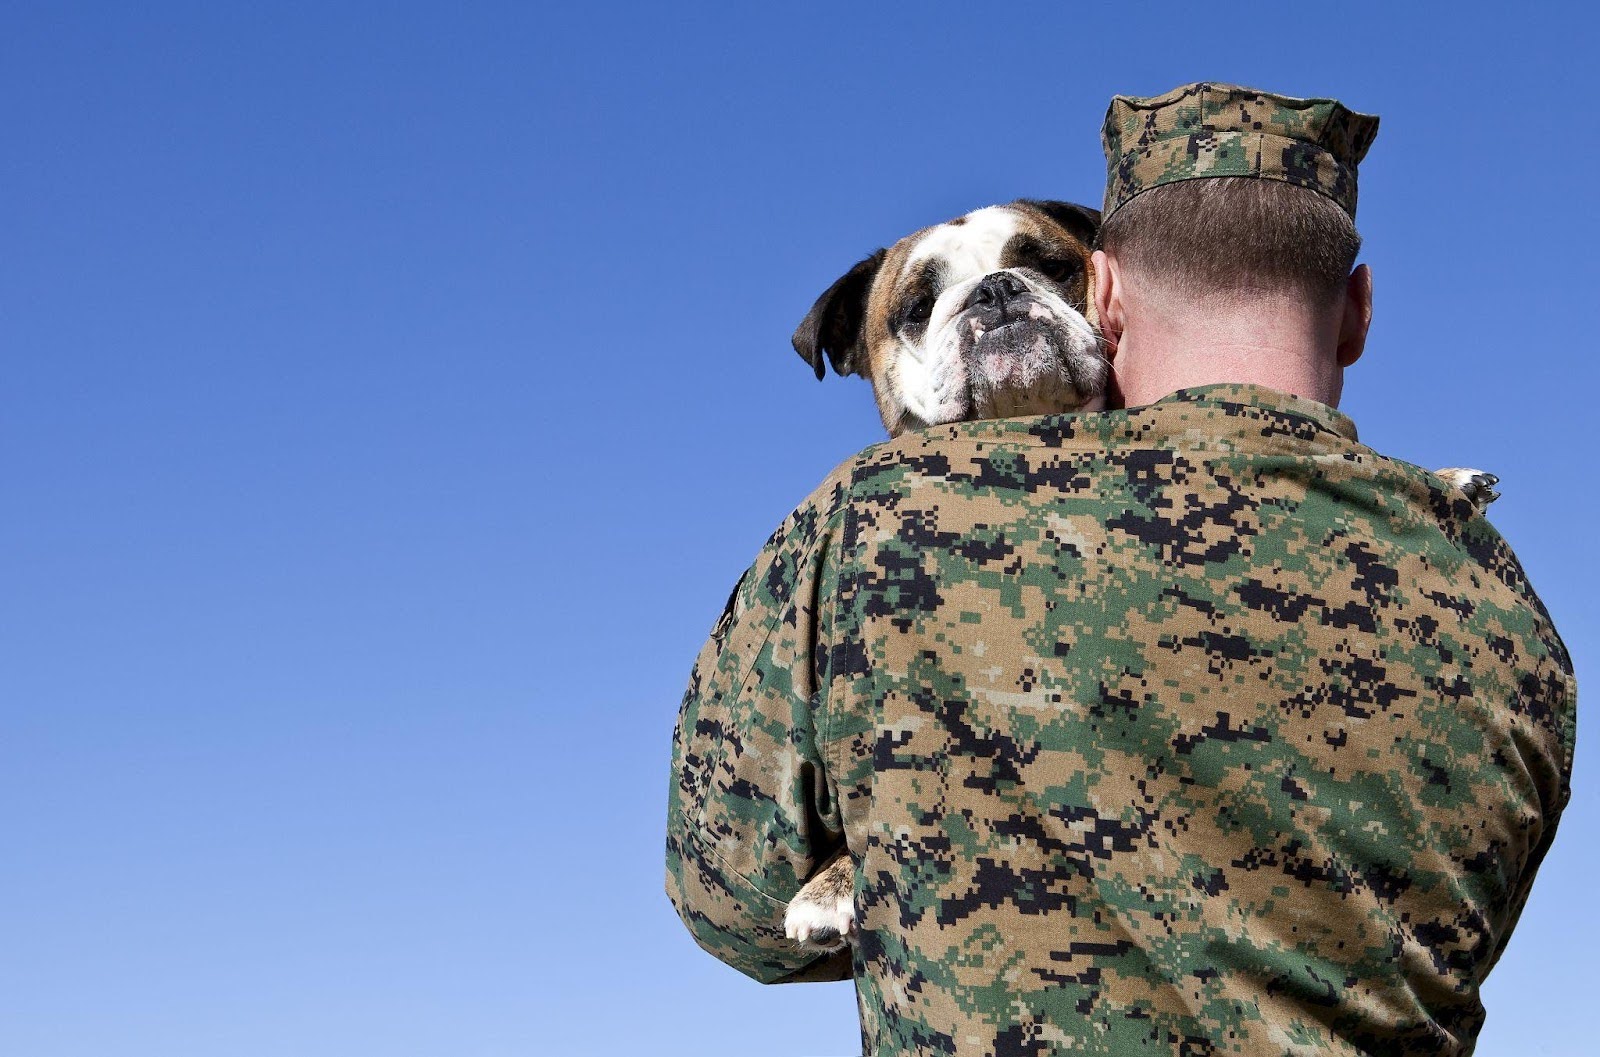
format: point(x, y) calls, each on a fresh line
point(1061, 269)
point(917, 311)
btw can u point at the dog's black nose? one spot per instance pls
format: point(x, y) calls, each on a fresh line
point(994, 291)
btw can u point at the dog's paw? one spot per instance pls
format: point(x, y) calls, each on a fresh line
point(821, 921)
point(1476, 485)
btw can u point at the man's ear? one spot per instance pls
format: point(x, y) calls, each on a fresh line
point(836, 322)
point(1108, 293)
point(1082, 221)
point(1355, 317)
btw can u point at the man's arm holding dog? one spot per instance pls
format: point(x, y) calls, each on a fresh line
point(751, 811)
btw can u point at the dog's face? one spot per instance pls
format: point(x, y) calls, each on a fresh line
point(989, 315)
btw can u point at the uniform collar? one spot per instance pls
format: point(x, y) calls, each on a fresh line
point(1248, 403)
point(1226, 416)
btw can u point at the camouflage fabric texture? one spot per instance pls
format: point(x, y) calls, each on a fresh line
point(1197, 728)
point(1203, 130)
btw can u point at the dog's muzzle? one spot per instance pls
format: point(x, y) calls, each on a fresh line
point(992, 302)
point(1020, 355)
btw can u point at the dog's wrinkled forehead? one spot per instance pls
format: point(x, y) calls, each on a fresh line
point(969, 245)
point(944, 260)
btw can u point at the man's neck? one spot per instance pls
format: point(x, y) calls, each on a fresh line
point(1274, 344)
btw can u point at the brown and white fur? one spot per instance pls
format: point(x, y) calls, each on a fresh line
point(989, 315)
point(986, 316)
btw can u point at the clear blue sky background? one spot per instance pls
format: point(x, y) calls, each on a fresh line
point(392, 392)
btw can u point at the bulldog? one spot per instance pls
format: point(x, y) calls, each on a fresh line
point(989, 315)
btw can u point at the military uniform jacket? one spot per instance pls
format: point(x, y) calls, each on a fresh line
point(1197, 728)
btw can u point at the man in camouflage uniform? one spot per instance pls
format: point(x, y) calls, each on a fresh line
point(1194, 728)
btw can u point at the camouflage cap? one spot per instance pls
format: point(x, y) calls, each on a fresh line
point(1205, 129)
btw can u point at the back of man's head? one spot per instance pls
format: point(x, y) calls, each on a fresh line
point(1196, 239)
point(1215, 188)
point(1228, 241)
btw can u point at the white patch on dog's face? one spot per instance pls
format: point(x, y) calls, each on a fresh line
point(972, 247)
point(1040, 356)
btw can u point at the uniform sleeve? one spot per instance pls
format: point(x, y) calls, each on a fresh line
point(751, 813)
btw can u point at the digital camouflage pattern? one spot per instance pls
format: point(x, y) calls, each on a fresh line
point(1203, 130)
point(1197, 728)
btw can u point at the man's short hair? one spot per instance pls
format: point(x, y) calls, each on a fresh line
point(1232, 234)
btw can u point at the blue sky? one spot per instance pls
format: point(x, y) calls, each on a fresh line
point(393, 392)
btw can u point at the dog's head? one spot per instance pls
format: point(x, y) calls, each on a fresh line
point(989, 315)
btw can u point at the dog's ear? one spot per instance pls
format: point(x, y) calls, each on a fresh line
point(835, 323)
point(1081, 221)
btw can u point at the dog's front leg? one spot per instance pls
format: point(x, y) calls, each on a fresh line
point(1476, 485)
point(822, 915)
